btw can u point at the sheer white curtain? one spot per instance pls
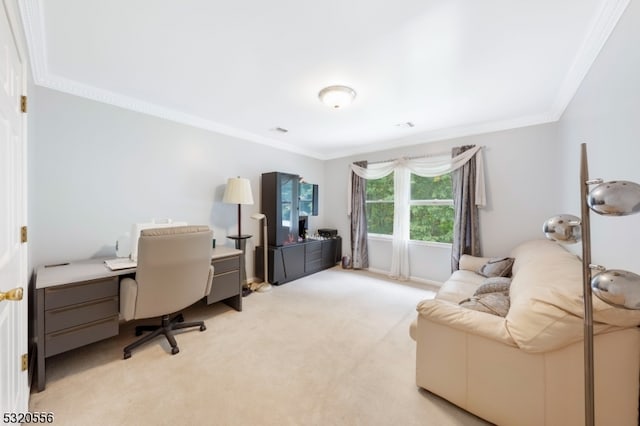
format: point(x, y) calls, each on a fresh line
point(401, 217)
point(402, 169)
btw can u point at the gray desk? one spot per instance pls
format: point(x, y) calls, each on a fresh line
point(78, 303)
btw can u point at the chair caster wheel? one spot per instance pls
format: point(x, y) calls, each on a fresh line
point(127, 355)
point(180, 318)
point(174, 351)
point(203, 328)
point(138, 332)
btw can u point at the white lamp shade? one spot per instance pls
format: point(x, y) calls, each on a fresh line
point(337, 96)
point(238, 191)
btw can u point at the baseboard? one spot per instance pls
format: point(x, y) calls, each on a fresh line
point(419, 280)
point(427, 282)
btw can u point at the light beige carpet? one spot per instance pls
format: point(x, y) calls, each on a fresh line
point(329, 349)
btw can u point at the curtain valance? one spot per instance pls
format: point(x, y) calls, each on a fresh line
point(427, 167)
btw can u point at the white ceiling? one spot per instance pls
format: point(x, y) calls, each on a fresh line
point(244, 67)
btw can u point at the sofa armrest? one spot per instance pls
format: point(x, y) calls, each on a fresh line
point(472, 263)
point(467, 320)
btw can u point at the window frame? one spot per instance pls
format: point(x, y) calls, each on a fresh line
point(412, 202)
point(429, 202)
point(366, 202)
point(383, 201)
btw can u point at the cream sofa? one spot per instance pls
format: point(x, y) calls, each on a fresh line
point(527, 368)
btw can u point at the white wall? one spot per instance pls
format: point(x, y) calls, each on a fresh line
point(520, 177)
point(95, 169)
point(604, 114)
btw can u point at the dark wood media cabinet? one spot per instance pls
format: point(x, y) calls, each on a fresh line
point(296, 260)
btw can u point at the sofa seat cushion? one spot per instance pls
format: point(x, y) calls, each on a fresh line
point(460, 286)
point(466, 320)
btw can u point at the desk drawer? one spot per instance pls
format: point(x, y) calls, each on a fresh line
point(225, 265)
point(70, 316)
point(71, 294)
point(224, 286)
point(75, 337)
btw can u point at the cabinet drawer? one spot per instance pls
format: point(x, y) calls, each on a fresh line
point(65, 295)
point(313, 265)
point(75, 337)
point(222, 266)
point(70, 316)
point(224, 286)
point(313, 251)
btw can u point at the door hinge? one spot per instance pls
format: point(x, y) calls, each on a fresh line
point(24, 359)
point(23, 234)
point(23, 103)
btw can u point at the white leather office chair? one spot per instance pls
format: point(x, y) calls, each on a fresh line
point(174, 271)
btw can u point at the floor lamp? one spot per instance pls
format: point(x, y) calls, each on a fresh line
point(264, 286)
point(238, 191)
point(615, 287)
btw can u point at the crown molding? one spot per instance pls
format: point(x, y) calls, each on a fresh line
point(601, 28)
point(446, 134)
point(603, 24)
point(116, 99)
point(33, 23)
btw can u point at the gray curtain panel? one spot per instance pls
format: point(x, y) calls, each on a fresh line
point(466, 235)
point(359, 248)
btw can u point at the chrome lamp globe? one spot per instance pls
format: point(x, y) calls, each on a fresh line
point(615, 198)
point(618, 288)
point(614, 287)
point(563, 228)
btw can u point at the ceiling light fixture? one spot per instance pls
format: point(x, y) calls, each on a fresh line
point(337, 96)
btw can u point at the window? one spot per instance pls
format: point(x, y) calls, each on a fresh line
point(380, 205)
point(431, 207)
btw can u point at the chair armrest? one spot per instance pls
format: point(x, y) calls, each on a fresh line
point(472, 263)
point(128, 295)
point(467, 320)
point(209, 281)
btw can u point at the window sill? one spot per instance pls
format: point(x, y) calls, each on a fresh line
point(389, 238)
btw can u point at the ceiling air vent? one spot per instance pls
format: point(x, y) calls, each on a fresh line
point(406, 125)
point(279, 130)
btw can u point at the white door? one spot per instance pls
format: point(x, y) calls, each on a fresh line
point(14, 387)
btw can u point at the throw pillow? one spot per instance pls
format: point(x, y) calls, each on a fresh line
point(497, 267)
point(491, 303)
point(494, 285)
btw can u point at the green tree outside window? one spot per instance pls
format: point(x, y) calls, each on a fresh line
point(380, 205)
point(431, 210)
